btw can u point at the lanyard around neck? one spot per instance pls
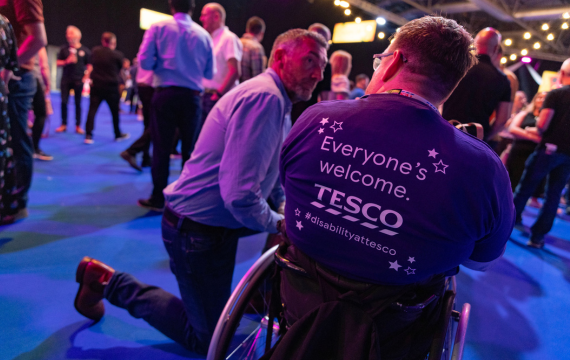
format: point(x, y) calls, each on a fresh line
point(413, 96)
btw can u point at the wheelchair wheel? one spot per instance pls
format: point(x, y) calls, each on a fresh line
point(241, 332)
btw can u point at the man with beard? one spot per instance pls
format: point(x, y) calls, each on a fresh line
point(219, 197)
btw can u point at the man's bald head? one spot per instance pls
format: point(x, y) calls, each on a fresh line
point(487, 41)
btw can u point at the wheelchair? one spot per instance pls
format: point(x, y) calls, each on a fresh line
point(242, 331)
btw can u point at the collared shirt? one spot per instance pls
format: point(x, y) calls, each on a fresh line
point(384, 190)
point(478, 94)
point(144, 77)
point(179, 51)
point(226, 46)
point(253, 60)
point(234, 166)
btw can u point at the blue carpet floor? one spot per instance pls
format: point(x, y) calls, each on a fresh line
point(84, 203)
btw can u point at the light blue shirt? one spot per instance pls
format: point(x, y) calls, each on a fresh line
point(235, 163)
point(179, 51)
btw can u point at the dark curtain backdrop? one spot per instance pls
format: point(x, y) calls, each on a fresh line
point(94, 17)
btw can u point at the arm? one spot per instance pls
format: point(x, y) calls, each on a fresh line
point(44, 68)
point(148, 52)
point(503, 113)
point(35, 40)
point(258, 62)
point(520, 133)
point(233, 74)
point(544, 119)
point(252, 142)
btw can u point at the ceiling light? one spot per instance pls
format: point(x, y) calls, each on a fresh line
point(508, 42)
point(503, 60)
point(565, 26)
point(550, 37)
point(381, 35)
point(524, 52)
point(357, 20)
point(337, 2)
point(526, 35)
point(566, 15)
point(381, 21)
point(347, 12)
point(536, 45)
point(526, 60)
point(513, 57)
point(344, 4)
point(545, 27)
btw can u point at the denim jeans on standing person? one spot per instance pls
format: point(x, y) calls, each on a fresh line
point(539, 165)
point(203, 260)
point(19, 102)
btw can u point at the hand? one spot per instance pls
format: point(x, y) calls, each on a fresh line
point(71, 59)
point(215, 96)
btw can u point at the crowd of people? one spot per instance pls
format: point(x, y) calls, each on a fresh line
point(380, 188)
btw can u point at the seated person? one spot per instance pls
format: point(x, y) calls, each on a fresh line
point(383, 191)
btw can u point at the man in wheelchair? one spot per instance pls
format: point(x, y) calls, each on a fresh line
point(385, 199)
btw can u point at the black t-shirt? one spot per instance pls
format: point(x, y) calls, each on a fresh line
point(74, 72)
point(558, 132)
point(478, 94)
point(107, 66)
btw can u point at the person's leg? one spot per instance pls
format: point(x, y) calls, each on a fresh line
point(95, 100)
point(65, 88)
point(537, 167)
point(189, 126)
point(557, 179)
point(162, 129)
point(40, 114)
point(203, 263)
point(113, 99)
point(142, 144)
point(19, 102)
point(207, 105)
point(77, 89)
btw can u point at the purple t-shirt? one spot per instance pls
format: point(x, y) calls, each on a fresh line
point(384, 190)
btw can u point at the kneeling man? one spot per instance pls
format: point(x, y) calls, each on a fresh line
point(219, 197)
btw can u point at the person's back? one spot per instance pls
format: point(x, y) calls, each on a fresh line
point(107, 66)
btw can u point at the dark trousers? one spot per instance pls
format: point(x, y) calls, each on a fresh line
point(19, 102)
point(207, 106)
point(172, 108)
point(110, 94)
point(557, 169)
point(40, 114)
point(142, 144)
point(516, 164)
point(66, 86)
point(202, 259)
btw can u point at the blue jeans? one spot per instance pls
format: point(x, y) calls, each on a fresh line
point(203, 261)
point(539, 165)
point(19, 102)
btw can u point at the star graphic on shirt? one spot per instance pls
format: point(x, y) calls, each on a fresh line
point(321, 130)
point(394, 265)
point(432, 153)
point(443, 166)
point(410, 271)
point(297, 212)
point(411, 259)
point(324, 121)
point(338, 126)
point(299, 225)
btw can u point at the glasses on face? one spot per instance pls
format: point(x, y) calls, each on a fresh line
point(378, 59)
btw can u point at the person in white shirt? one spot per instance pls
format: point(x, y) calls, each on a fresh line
point(180, 53)
point(227, 53)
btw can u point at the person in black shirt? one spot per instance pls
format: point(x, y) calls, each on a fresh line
point(483, 90)
point(107, 64)
point(551, 157)
point(76, 62)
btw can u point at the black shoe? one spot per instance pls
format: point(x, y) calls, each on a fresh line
point(88, 139)
point(151, 204)
point(122, 137)
point(40, 155)
point(131, 160)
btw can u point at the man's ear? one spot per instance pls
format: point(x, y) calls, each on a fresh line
point(278, 56)
point(394, 66)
